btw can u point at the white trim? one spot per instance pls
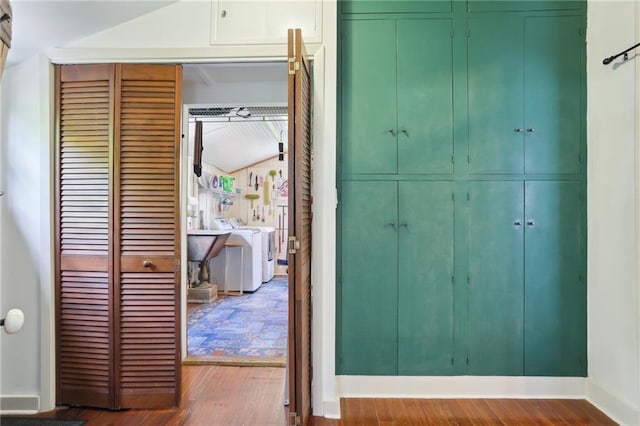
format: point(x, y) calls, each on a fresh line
point(47, 384)
point(460, 387)
point(618, 409)
point(19, 404)
point(184, 55)
point(331, 409)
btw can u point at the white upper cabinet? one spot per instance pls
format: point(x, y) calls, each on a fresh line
point(264, 21)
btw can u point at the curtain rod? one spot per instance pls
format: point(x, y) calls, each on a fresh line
point(607, 61)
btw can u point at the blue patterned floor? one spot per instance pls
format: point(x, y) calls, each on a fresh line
point(251, 325)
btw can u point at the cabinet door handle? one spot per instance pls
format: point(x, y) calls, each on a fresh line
point(391, 225)
point(531, 130)
point(405, 131)
point(517, 222)
point(405, 226)
point(518, 130)
point(531, 222)
point(147, 264)
point(392, 131)
point(223, 14)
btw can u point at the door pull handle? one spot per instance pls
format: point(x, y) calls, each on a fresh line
point(147, 264)
point(517, 222)
point(392, 131)
point(531, 222)
point(391, 225)
point(405, 226)
point(531, 130)
point(405, 131)
point(518, 130)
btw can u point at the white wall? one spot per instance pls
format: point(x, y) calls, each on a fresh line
point(612, 117)
point(25, 266)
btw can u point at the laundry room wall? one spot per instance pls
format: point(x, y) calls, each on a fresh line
point(270, 206)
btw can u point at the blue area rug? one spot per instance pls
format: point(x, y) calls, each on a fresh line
point(247, 328)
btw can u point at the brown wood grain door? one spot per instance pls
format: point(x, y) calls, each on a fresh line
point(300, 102)
point(117, 235)
point(83, 225)
point(147, 135)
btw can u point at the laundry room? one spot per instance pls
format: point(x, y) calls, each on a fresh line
point(236, 213)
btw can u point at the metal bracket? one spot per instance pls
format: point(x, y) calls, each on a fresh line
point(294, 244)
point(293, 66)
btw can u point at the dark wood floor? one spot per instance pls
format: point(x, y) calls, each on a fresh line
point(253, 396)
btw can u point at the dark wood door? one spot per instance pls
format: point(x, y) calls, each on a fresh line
point(117, 228)
point(84, 224)
point(147, 235)
point(300, 103)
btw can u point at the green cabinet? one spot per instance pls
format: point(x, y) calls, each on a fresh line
point(554, 280)
point(397, 97)
point(524, 94)
point(495, 278)
point(490, 281)
point(396, 284)
point(395, 6)
point(369, 290)
point(527, 296)
point(522, 5)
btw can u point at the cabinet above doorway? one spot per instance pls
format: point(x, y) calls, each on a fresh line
point(262, 22)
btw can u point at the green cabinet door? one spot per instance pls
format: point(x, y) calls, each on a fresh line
point(425, 96)
point(396, 6)
point(555, 290)
point(495, 91)
point(495, 278)
point(522, 5)
point(369, 281)
point(425, 273)
point(553, 87)
point(368, 76)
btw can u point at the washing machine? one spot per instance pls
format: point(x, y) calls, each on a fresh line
point(225, 268)
point(268, 246)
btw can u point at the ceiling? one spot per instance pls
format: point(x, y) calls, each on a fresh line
point(39, 25)
point(234, 138)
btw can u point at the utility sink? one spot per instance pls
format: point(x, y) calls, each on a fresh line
point(204, 245)
point(201, 247)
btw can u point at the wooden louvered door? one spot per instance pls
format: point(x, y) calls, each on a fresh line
point(147, 235)
point(300, 103)
point(84, 282)
point(117, 245)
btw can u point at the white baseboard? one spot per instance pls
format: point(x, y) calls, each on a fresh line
point(621, 411)
point(460, 387)
point(19, 404)
point(331, 409)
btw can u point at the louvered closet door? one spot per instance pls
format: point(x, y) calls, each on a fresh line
point(84, 329)
point(147, 234)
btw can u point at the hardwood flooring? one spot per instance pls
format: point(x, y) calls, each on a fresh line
point(253, 396)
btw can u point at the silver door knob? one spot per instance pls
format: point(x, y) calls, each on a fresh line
point(147, 264)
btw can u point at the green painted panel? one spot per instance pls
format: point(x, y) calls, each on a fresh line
point(369, 283)
point(553, 87)
point(425, 289)
point(425, 96)
point(496, 278)
point(522, 5)
point(495, 77)
point(369, 143)
point(398, 6)
point(555, 290)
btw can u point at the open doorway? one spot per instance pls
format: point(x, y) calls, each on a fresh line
point(237, 193)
